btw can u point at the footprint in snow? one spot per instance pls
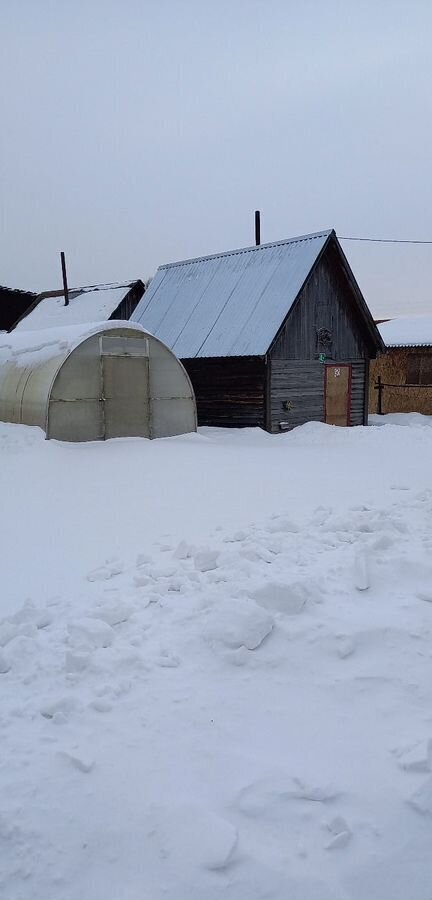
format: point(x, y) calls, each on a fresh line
point(340, 833)
point(60, 710)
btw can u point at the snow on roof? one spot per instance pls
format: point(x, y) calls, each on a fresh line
point(90, 305)
point(33, 348)
point(407, 331)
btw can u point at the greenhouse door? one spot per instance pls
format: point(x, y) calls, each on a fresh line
point(125, 387)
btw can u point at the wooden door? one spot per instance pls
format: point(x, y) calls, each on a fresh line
point(337, 394)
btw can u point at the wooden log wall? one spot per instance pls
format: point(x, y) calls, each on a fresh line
point(230, 392)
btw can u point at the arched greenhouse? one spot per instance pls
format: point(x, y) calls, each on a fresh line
point(94, 382)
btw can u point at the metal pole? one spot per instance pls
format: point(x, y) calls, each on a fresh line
point(257, 227)
point(65, 284)
point(380, 391)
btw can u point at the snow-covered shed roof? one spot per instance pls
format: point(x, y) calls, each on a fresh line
point(86, 305)
point(234, 303)
point(407, 331)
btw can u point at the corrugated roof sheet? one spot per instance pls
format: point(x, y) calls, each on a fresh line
point(407, 331)
point(230, 304)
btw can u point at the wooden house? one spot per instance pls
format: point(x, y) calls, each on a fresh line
point(405, 369)
point(271, 336)
point(13, 305)
point(95, 303)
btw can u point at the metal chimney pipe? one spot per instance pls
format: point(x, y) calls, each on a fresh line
point(65, 284)
point(257, 227)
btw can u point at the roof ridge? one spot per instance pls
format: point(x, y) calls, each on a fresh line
point(295, 240)
point(86, 289)
point(105, 285)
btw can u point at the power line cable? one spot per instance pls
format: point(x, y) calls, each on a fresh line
point(382, 240)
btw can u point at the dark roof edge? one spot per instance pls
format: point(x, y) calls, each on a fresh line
point(295, 240)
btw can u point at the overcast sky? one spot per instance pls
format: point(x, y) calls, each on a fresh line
point(140, 132)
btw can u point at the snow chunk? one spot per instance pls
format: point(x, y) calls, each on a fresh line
point(114, 614)
point(184, 550)
point(90, 633)
point(143, 559)
point(282, 525)
point(199, 837)
point(26, 622)
point(29, 614)
point(238, 623)
point(206, 560)
point(76, 662)
point(285, 597)
point(110, 569)
point(59, 710)
point(361, 571)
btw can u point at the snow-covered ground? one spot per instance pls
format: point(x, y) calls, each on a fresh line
point(215, 660)
point(412, 418)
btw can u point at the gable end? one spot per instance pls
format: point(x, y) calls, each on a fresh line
point(329, 316)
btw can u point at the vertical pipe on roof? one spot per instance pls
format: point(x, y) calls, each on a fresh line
point(65, 284)
point(257, 227)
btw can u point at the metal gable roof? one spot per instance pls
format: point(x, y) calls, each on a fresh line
point(230, 304)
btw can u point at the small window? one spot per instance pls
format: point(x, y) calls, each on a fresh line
point(120, 345)
point(419, 369)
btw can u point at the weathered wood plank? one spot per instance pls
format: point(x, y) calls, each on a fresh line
point(324, 303)
point(300, 384)
point(229, 392)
